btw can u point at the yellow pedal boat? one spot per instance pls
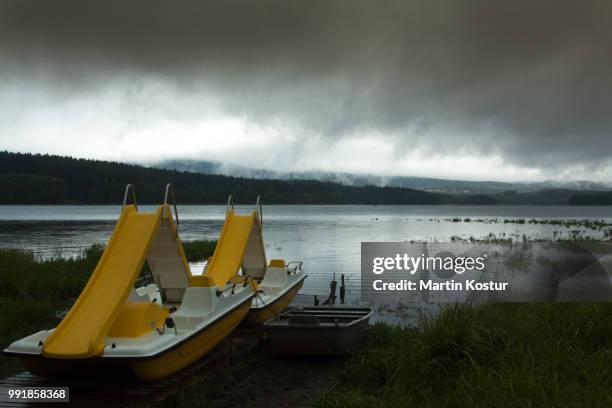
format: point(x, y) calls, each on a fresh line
point(151, 331)
point(241, 247)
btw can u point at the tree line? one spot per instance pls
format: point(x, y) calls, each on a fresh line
point(48, 179)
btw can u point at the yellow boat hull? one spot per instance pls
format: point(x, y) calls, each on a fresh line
point(147, 369)
point(189, 352)
point(258, 316)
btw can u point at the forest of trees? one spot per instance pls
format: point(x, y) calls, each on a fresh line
point(47, 179)
point(592, 198)
point(30, 189)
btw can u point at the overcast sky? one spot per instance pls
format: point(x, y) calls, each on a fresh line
point(480, 90)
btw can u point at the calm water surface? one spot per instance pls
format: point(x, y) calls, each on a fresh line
point(326, 238)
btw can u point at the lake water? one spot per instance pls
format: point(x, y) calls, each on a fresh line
point(326, 238)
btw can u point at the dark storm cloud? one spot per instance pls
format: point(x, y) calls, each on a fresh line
point(529, 80)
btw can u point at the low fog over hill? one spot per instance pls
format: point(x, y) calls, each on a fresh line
point(420, 183)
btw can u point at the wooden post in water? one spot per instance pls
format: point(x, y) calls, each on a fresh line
point(331, 300)
point(342, 289)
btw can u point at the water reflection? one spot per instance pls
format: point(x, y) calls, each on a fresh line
point(326, 238)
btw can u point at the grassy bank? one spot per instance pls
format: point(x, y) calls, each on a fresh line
point(526, 355)
point(495, 355)
point(33, 290)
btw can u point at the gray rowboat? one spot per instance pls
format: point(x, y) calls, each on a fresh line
point(318, 330)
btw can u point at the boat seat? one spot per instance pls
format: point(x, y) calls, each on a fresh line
point(134, 296)
point(274, 280)
point(149, 293)
point(197, 303)
point(137, 319)
point(304, 319)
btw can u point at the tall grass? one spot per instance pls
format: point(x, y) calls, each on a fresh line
point(33, 290)
point(199, 250)
point(526, 355)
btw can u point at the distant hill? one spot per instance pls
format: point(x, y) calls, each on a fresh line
point(47, 179)
point(419, 183)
